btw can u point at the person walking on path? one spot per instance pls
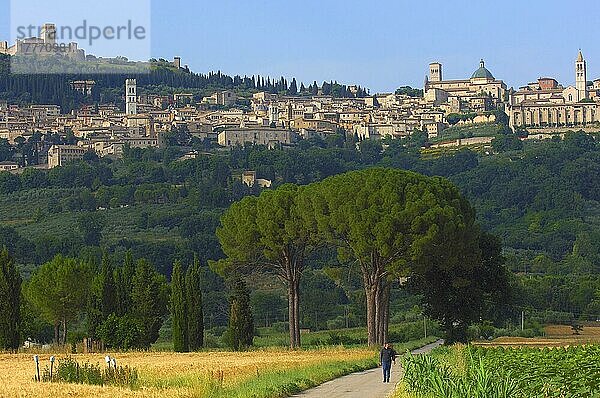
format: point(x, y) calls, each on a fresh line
point(386, 357)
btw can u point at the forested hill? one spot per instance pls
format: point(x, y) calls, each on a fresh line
point(163, 79)
point(541, 198)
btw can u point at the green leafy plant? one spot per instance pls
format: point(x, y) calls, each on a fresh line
point(69, 370)
point(498, 372)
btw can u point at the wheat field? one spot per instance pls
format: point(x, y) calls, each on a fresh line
point(554, 336)
point(173, 374)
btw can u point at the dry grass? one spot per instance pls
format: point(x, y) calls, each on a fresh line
point(167, 374)
point(566, 332)
point(555, 336)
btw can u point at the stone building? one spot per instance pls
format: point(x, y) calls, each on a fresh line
point(546, 104)
point(268, 137)
point(223, 98)
point(44, 45)
point(481, 84)
point(131, 97)
point(59, 155)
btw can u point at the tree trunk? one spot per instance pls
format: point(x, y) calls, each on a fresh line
point(297, 311)
point(293, 265)
point(64, 331)
point(386, 320)
point(378, 311)
point(292, 315)
point(371, 290)
point(374, 285)
point(294, 312)
point(383, 312)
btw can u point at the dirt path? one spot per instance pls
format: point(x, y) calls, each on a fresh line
point(365, 384)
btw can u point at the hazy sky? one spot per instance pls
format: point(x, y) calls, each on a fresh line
point(378, 44)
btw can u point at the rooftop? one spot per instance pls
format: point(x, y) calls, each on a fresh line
point(482, 72)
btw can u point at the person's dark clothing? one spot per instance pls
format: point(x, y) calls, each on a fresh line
point(386, 357)
point(387, 370)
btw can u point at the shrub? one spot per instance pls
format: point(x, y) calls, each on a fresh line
point(69, 370)
point(120, 332)
point(280, 327)
point(336, 323)
point(337, 338)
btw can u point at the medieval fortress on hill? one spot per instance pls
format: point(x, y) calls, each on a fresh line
point(46, 44)
point(276, 120)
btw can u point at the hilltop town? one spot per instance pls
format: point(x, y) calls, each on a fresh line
point(450, 112)
point(370, 199)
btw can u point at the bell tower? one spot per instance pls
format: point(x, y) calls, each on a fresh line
point(131, 96)
point(581, 76)
point(48, 33)
point(435, 72)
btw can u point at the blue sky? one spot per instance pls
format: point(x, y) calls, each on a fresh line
point(378, 44)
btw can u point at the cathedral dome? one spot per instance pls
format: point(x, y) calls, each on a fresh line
point(482, 72)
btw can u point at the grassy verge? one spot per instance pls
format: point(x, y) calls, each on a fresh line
point(264, 384)
point(288, 382)
point(278, 383)
point(398, 333)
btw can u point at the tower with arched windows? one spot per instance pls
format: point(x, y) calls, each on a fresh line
point(581, 76)
point(131, 97)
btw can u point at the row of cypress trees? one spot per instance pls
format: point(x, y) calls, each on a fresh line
point(186, 305)
point(187, 312)
point(186, 308)
point(10, 302)
point(240, 331)
point(127, 304)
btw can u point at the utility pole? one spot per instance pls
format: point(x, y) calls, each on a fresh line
point(522, 320)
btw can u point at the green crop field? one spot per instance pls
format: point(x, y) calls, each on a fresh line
point(567, 372)
point(398, 333)
point(470, 130)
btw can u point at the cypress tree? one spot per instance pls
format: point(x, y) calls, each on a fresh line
point(240, 332)
point(148, 304)
point(109, 291)
point(195, 314)
point(10, 302)
point(94, 307)
point(293, 87)
point(179, 309)
point(103, 297)
point(315, 88)
point(124, 284)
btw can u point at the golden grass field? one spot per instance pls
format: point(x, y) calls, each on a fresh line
point(168, 374)
point(555, 336)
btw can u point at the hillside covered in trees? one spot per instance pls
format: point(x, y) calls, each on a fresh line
point(163, 78)
point(540, 198)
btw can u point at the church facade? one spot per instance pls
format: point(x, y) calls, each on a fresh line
point(481, 92)
point(547, 104)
